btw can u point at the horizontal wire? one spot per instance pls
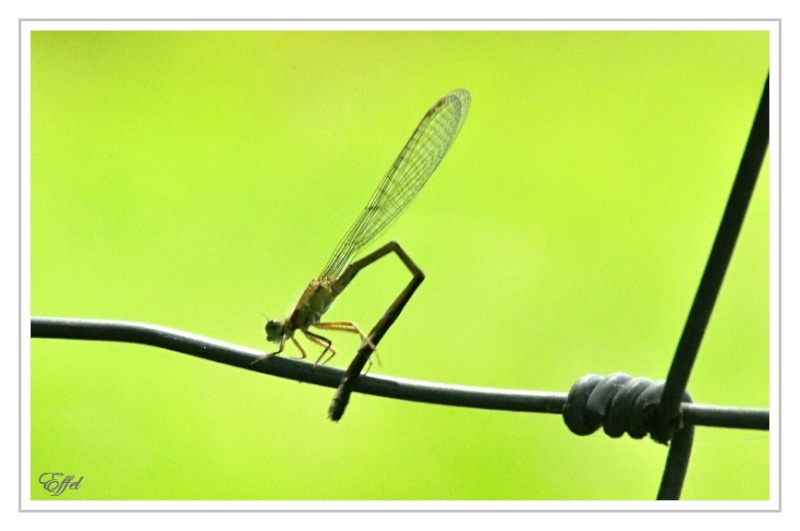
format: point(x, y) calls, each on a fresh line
point(384, 386)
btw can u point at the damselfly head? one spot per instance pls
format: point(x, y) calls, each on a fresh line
point(275, 330)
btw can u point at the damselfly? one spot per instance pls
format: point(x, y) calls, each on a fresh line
point(408, 174)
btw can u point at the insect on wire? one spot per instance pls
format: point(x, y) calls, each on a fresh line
point(412, 168)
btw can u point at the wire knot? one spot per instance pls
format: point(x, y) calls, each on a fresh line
point(618, 402)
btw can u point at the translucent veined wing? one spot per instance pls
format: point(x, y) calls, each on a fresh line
point(410, 171)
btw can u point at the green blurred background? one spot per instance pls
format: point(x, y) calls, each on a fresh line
point(199, 180)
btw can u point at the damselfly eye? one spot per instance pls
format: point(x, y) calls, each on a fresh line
point(274, 330)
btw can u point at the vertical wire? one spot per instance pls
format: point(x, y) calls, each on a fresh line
point(711, 281)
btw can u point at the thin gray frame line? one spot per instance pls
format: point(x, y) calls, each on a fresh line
point(351, 19)
point(376, 385)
